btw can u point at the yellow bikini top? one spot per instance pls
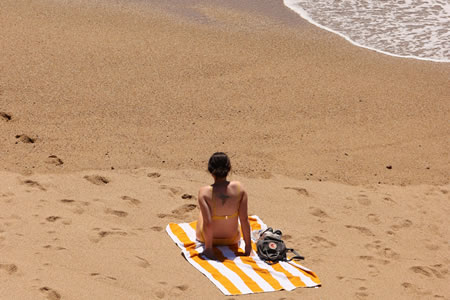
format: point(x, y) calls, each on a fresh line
point(213, 208)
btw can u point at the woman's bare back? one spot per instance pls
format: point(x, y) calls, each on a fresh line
point(223, 202)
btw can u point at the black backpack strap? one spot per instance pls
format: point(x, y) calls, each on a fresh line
point(267, 229)
point(297, 256)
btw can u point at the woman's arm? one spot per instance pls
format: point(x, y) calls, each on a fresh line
point(245, 224)
point(207, 224)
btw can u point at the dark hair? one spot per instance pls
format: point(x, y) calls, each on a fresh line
point(219, 164)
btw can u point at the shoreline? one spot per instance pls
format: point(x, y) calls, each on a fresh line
point(279, 13)
point(304, 15)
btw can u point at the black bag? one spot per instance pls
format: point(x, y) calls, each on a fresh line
point(271, 248)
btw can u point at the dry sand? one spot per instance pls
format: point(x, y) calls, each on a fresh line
point(344, 149)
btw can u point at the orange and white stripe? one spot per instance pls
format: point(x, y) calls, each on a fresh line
point(235, 275)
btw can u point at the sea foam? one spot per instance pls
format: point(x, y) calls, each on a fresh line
point(417, 29)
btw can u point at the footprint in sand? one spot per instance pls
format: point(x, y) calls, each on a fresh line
point(430, 246)
point(322, 242)
point(180, 212)
point(373, 218)
point(389, 200)
point(5, 116)
point(183, 287)
point(184, 209)
point(76, 206)
point(118, 213)
point(156, 228)
point(361, 295)
point(437, 270)
point(78, 210)
point(54, 160)
point(351, 279)
point(421, 270)
point(97, 179)
point(154, 175)
point(7, 195)
point(362, 230)
point(159, 293)
point(142, 262)
point(380, 250)
point(52, 218)
point(187, 196)
point(23, 138)
point(317, 212)
point(67, 201)
point(131, 200)
point(173, 190)
point(53, 247)
point(174, 292)
point(177, 291)
point(373, 271)
point(300, 191)
point(9, 268)
point(102, 277)
point(100, 234)
point(50, 293)
point(389, 253)
point(415, 290)
point(403, 224)
point(33, 184)
point(374, 260)
point(364, 200)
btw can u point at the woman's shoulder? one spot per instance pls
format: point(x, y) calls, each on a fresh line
point(237, 185)
point(204, 190)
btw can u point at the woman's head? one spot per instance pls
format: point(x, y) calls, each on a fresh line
point(219, 165)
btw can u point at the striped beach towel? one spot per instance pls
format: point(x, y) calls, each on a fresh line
point(235, 274)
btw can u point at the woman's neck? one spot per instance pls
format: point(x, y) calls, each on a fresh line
point(218, 181)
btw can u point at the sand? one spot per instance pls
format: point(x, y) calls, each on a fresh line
point(344, 149)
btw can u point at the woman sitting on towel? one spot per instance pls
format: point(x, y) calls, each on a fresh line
point(222, 204)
